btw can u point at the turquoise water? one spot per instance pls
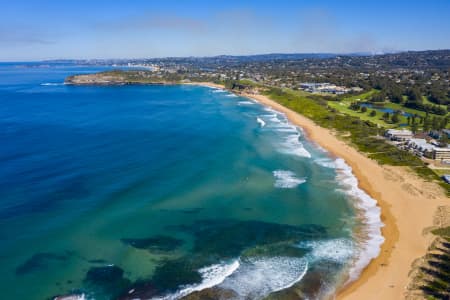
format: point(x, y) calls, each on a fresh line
point(159, 191)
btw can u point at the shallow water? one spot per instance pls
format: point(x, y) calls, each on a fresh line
point(164, 190)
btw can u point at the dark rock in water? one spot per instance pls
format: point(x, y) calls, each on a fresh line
point(97, 261)
point(107, 280)
point(228, 240)
point(40, 261)
point(191, 210)
point(218, 240)
point(276, 249)
point(211, 294)
point(173, 273)
point(156, 243)
point(99, 275)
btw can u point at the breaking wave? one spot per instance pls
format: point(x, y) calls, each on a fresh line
point(257, 277)
point(339, 250)
point(52, 83)
point(369, 247)
point(211, 276)
point(292, 145)
point(326, 163)
point(261, 122)
point(246, 103)
point(286, 179)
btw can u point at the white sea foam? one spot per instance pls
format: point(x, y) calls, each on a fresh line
point(231, 95)
point(286, 179)
point(219, 90)
point(292, 145)
point(365, 250)
point(52, 83)
point(326, 163)
point(339, 250)
point(259, 276)
point(288, 129)
point(211, 276)
point(291, 142)
point(369, 248)
point(246, 103)
point(261, 121)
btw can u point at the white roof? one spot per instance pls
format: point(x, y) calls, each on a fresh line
point(427, 147)
point(418, 142)
point(442, 149)
point(399, 132)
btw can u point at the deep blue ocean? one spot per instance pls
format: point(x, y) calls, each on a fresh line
point(158, 192)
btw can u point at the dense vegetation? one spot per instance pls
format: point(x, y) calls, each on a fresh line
point(434, 275)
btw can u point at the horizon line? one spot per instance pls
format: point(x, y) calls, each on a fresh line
point(360, 53)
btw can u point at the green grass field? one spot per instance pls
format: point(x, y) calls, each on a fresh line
point(343, 106)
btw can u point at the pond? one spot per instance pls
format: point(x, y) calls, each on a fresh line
point(385, 109)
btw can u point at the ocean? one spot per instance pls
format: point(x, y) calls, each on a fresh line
point(165, 192)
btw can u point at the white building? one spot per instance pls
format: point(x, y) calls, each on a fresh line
point(399, 135)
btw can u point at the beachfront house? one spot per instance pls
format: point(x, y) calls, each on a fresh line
point(419, 146)
point(441, 153)
point(399, 135)
point(422, 148)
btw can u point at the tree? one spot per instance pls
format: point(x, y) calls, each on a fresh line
point(414, 127)
point(443, 142)
point(414, 98)
point(444, 122)
point(386, 116)
point(437, 95)
point(395, 118)
point(379, 97)
point(354, 106)
point(373, 113)
point(435, 123)
point(409, 120)
point(363, 109)
point(396, 96)
point(426, 124)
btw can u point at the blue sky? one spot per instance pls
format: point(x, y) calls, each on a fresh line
point(34, 30)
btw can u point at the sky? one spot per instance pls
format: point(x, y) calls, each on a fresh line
point(37, 30)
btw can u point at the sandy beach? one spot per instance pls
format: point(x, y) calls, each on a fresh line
point(408, 205)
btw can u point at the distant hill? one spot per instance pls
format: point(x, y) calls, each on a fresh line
point(439, 59)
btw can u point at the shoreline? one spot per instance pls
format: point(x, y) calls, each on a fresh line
point(407, 203)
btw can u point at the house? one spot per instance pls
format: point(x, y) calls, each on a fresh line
point(441, 153)
point(399, 135)
point(416, 143)
point(418, 146)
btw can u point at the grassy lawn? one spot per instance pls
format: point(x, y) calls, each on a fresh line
point(441, 172)
point(343, 107)
point(363, 97)
point(426, 101)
